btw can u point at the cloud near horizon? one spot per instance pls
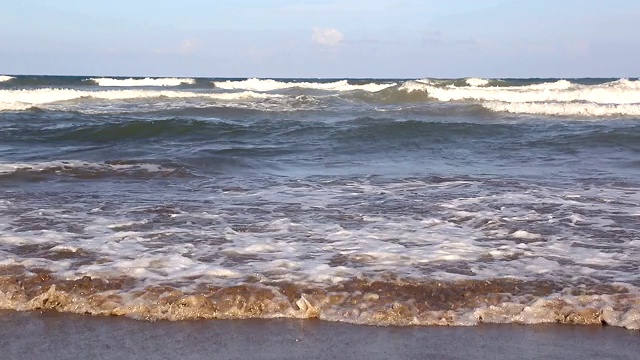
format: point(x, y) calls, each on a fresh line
point(185, 47)
point(327, 37)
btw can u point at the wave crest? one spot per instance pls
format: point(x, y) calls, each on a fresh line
point(271, 85)
point(477, 82)
point(86, 170)
point(112, 82)
point(4, 78)
point(357, 301)
point(562, 97)
point(24, 99)
point(559, 91)
point(565, 109)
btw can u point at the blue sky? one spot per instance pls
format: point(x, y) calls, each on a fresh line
point(316, 38)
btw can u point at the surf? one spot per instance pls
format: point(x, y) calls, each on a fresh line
point(113, 82)
point(256, 84)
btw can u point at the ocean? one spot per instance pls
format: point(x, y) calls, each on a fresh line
point(367, 201)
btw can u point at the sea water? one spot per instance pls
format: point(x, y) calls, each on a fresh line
point(371, 201)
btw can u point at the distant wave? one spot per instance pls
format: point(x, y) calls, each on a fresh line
point(24, 99)
point(477, 82)
point(522, 96)
point(565, 109)
point(617, 92)
point(8, 106)
point(143, 82)
point(4, 78)
point(562, 97)
point(270, 85)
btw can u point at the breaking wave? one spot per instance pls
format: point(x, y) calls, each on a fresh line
point(477, 82)
point(4, 78)
point(142, 82)
point(619, 92)
point(519, 96)
point(402, 302)
point(270, 85)
point(562, 97)
point(565, 109)
point(85, 169)
point(24, 99)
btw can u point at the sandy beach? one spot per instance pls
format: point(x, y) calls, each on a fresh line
point(51, 335)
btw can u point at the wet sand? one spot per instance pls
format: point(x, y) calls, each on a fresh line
point(51, 335)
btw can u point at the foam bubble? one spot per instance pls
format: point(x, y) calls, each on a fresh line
point(270, 85)
point(142, 82)
point(4, 78)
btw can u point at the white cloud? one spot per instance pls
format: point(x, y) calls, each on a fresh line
point(185, 47)
point(578, 48)
point(327, 37)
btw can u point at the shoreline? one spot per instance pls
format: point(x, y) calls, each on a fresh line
point(52, 335)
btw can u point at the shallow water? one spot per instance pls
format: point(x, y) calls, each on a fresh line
point(382, 202)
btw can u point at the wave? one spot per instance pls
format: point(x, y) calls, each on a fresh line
point(618, 92)
point(561, 97)
point(14, 106)
point(24, 99)
point(143, 82)
point(400, 302)
point(381, 133)
point(136, 129)
point(270, 85)
point(477, 82)
point(565, 109)
point(552, 98)
point(4, 78)
point(86, 169)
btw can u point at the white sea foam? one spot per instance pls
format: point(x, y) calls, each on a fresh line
point(24, 99)
point(142, 82)
point(4, 78)
point(8, 168)
point(4, 106)
point(523, 234)
point(477, 82)
point(452, 242)
point(562, 97)
point(270, 85)
point(564, 109)
point(618, 92)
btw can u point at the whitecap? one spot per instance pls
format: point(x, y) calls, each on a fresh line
point(565, 109)
point(24, 99)
point(142, 82)
point(523, 234)
point(562, 91)
point(270, 85)
point(477, 82)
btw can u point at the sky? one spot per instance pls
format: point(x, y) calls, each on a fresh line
point(322, 38)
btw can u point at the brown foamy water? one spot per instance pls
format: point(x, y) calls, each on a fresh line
point(390, 301)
